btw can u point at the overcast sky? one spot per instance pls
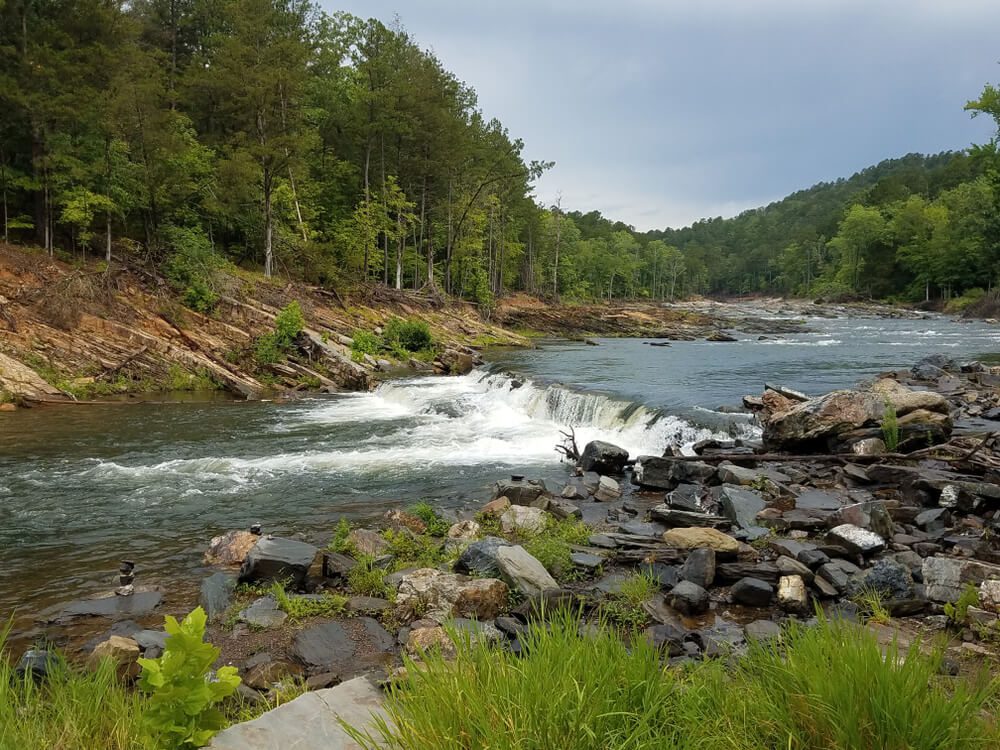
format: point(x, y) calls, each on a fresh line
point(659, 113)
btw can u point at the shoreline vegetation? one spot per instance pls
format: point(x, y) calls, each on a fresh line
point(840, 578)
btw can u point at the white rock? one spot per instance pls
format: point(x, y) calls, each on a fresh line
point(443, 595)
point(855, 539)
point(792, 596)
point(522, 518)
point(608, 489)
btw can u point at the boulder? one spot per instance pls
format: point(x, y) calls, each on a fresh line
point(752, 592)
point(216, 594)
point(263, 613)
point(855, 539)
point(124, 652)
point(521, 519)
point(230, 548)
point(905, 400)
point(433, 639)
point(523, 571)
point(604, 458)
point(792, 595)
point(464, 530)
point(989, 595)
point(367, 542)
point(563, 509)
point(695, 537)
point(838, 573)
point(891, 578)
point(688, 598)
point(444, 595)
point(788, 566)
point(519, 491)
point(337, 566)
point(480, 558)
point(809, 424)
point(667, 473)
point(945, 578)
point(349, 648)
point(495, 507)
point(277, 559)
point(607, 490)
point(699, 567)
point(741, 506)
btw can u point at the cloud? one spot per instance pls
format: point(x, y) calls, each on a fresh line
point(659, 112)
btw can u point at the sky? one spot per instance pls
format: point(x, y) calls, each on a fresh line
point(659, 113)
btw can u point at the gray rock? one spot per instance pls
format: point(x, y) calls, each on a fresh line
point(348, 648)
point(699, 567)
point(816, 500)
point(641, 528)
point(688, 598)
point(674, 517)
point(934, 519)
point(687, 497)
point(666, 473)
point(668, 638)
point(752, 592)
point(838, 573)
point(367, 605)
point(602, 540)
point(480, 558)
point(337, 566)
point(36, 663)
point(607, 490)
point(216, 594)
point(586, 560)
point(762, 630)
point(732, 474)
point(520, 491)
point(563, 509)
point(789, 567)
point(945, 578)
point(315, 719)
point(113, 607)
point(523, 571)
point(889, 577)
point(263, 613)
point(765, 571)
point(604, 458)
point(151, 639)
point(741, 506)
point(856, 540)
point(812, 558)
point(277, 559)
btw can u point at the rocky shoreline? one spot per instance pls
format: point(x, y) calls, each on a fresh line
point(879, 504)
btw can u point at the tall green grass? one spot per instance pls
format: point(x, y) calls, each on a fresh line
point(826, 687)
point(71, 710)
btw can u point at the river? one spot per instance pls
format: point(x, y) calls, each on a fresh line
point(83, 487)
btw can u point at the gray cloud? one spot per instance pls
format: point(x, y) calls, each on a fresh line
point(662, 112)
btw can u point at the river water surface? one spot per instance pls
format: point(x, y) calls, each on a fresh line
point(83, 487)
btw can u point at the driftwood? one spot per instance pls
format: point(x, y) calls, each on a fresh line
point(568, 448)
point(112, 371)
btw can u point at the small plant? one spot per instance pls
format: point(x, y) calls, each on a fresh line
point(364, 342)
point(489, 524)
point(192, 267)
point(365, 579)
point(958, 612)
point(871, 601)
point(183, 696)
point(299, 607)
point(274, 346)
point(413, 550)
point(890, 427)
point(408, 335)
point(436, 526)
point(624, 608)
point(340, 542)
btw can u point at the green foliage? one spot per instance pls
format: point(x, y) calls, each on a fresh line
point(966, 300)
point(274, 346)
point(191, 267)
point(179, 379)
point(436, 526)
point(890, 427)
point(552, 547)
point(339, 542)
point(364, 342)
point(871, 602)
point(958, 612)
point(298, 607)
point(73, 710)
point(183, 695)
point(414, 550)
point(408, 335)
point(599, 693)
point(366, 579)
point(624, 608)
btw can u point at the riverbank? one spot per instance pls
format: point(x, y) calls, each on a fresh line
point(878, 505)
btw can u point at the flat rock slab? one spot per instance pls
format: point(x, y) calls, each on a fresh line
point(816, 500)
point(311, 721)
point(349, 647)
point(114, 607)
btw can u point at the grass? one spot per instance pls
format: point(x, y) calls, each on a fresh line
point(871, 602)
point(958, 612)
point(367, 580)
point(829, 686)
point(436, 526)
point(890, 428)
point(339, 542)
point(414, 550)
point(72, 710)
point(552, 547)
point(298, 608)
point(624, 608)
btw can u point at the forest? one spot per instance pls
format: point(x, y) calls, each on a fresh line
point(186, 135)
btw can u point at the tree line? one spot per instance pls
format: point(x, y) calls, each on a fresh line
point(268, 134)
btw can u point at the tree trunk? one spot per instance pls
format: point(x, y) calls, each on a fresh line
point(268, 226)
point(399, 251)
point(107, 248)
point(368, 161)
point(451, 240)
point(555, 265)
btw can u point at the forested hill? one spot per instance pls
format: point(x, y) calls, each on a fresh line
point(192, 136)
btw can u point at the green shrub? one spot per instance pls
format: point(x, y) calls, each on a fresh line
point(191, 267)
point(297, 607)
point(966, 300)
point(274, 346)
point(414, 550)
point(829, 686)
point(436, 526)
point(890, 428)
point(409, 335)
point(362, 343)
point(958, 612)
point(183, 696)
point(624, 608)
point(339, 543)
point(365, 579)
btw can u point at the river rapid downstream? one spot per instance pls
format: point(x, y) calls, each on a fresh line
point(84, 487)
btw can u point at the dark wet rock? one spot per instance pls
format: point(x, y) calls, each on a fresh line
point(263, 613)
point(720, 336)
point(520, 491)
point(277, 559)
point(688, 598)
point(668, 639)
point(348, 648)
point(889, 577)
point(604, 458)
point(36, 663)
point(788, 566)
point(789, 547)
point(480, 558)
point(216, 594)
point(762, 630)
point(933, 519)
point(838, 573)
point(699, 567)
point(114, 607)
point(856, 540)
point(611, 583)
point(337, 566)
point(673, 517)
point(688, 497)
point(738, 475)
point(602, 540)
point(817, 500)
point(667, 473)
point(805, 520)
point(639, 528)
point(752, 592)
point(856, 473)
point(741, 506)
point(510, 626)
point(665, 575)
point(824, 588)
point(586, 561)
point(721, 639)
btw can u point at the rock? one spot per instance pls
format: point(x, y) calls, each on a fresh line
point(337, 566)
point(604, 458)
point(399, 519)
point(869, 447)
point(607, 490)
point(434, 640)
point(699, 567)
point(695, 537)
point(720, 336)
point(549, 603)
point(762, 630)
point(688, 598)
point(277, 559)
point(36, 663)
point(524, 572)
point(945, 578)
point(587, 561)
point(989, 595)
point(641, 529)
point(933, 519)
point(444, 595)
point(752, 592)
point(806, 425)
point(741, 506)
point(518, 518)
point(313, 720)
point(519, 491)
point(113, 607)
point(602, 540)
point(368, 605)
point(667, 473)
point(562, 509)
point(348, 648)
point(263, 613)
point(673, 517)
point(124, 652)
point(765, 571)
point(495, 507)
point(856, 540)
point(456, 362)
point(216, 594)
point(367, 542)
point(268, 673)
point(905, 400)
point(870, 514)
point(838, 573)
point(480, 558)
point(667, 638)
point(792, 595)
point(789, 567)
point(230, 548)
point(817, 500)
point(889, 577)
point(464, 530)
